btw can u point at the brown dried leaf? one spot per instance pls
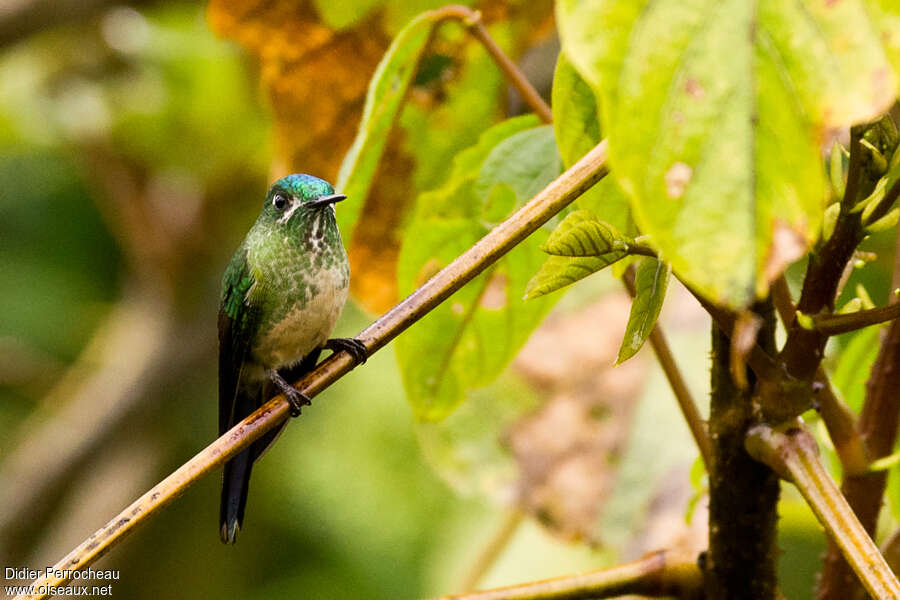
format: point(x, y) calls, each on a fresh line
point(316, 81)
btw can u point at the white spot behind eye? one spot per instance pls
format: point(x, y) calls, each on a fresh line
point(295, 204)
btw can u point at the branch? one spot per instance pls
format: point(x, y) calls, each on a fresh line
point(793, 454)
point(492, 550)
point(547, 203)
point(742, 556)
point(878, 422)
point(804, 348)
point(472, 20)
point(838, 418)
point(676, 381)
point(658, 574)
point(833, 324)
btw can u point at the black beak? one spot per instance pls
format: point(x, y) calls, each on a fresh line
point(325, 200)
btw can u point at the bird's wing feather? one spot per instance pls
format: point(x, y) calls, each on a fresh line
point(238, 321)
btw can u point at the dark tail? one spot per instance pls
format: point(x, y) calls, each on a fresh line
point(235, 486)
point(236, 481)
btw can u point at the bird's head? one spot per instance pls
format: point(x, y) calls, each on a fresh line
point(299, 198)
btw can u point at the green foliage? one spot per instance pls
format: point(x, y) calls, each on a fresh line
point(853, 368)
point(650, 282)
point(582, 234)
point(389, 84)
point(467, 341)
point(576, 123)
point(697, 113)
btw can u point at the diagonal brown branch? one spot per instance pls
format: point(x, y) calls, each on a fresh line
point(552, 199)
point(662, 573)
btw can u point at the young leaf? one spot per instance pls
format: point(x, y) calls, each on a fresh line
point(714, 113)
point(582, 234)
point(386, 91)
point(576, 124)
point(559, 271)
point(651, 281)
point(468, 340)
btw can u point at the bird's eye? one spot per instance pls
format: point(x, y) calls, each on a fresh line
point(279, 201)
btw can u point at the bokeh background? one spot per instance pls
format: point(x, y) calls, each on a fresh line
point(136, 143)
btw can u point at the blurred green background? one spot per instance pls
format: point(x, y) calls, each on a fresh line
point(135, 148)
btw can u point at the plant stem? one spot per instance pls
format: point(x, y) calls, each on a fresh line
point(492, 551)
point(878, 423)
point(793, 453)
point(472, 20)
point(679, 387)
point(657, 574)
point(838, 418)
point(743, 493)
point(500, 240)
point(834, 324)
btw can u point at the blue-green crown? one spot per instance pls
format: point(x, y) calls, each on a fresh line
point(301, 185)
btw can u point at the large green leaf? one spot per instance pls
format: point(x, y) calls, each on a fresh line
point(650, 282)
point(468, 340)
point(715, 113)
point(576, 123)
point(383, 100)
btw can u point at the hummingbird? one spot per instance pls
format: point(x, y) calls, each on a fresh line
point(282, 293)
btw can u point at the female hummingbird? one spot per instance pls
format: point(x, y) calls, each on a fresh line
point(281, 296)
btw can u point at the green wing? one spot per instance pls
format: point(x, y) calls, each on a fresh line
point(238, 321)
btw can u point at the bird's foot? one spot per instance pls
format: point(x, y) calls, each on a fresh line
point(351, 346)
point(295, 397)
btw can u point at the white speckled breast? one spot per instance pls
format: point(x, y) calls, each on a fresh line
point(306, 325)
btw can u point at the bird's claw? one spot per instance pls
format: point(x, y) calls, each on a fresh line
point(295, 397)
point(297, 400)
point(351, 346)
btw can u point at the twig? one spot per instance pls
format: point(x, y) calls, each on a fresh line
point(838, 418)
point(547, 203)
point(472, 20)
point(662, 573)
point(793, 453)
point(834, 324)
point(492, 551)
point(878, 422)
point(676, 381)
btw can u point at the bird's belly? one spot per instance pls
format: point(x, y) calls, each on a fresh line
point(303, 325)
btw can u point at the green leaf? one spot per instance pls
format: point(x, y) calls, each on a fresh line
point(559, 271)
point(469, 339)
point(576, 124)
point(525, 163)
point(854, 364)
point(386, 92)
point(715, 112)
point(582, 234)
point(650, 281)
point(576, 112)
